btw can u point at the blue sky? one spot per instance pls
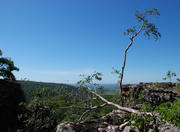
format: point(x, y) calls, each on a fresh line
point(56, 40)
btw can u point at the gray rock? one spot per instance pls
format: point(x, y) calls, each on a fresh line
point(157, 96)
point(131, 129)
point(168, 128)
point(107, 123)
point(151, 130)
point(110, 128)
point(65, 127)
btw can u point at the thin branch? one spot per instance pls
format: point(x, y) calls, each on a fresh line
point(123, 125)
point(80, 107)
point(81, 117)
point(73, 106)
point(90, 109)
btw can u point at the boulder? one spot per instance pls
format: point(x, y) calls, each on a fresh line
point(168, 128)
point(131, 129)
point(65, 127)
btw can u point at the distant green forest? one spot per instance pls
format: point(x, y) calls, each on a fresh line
point(31, 87)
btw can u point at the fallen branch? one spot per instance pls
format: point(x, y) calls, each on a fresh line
point(130, 110)
point(123, 125)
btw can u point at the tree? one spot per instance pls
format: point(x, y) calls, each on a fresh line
point(11, 95)
point(149, 29)
point(178, 79)
point(170, 75)
point(6, 68)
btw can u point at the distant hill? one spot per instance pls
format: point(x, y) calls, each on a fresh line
point(109, 89)
point(30, 87)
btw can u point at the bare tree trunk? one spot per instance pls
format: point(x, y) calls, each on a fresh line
point(125, 54)
point(124, 64)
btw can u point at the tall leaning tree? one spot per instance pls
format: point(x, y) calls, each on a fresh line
point(146, 28)
point(149, 29)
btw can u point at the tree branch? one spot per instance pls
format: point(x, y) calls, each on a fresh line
point(90, 109)
point(130, 110)
point(123, 125)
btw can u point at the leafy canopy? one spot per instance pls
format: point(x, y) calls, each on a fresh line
point(6, 68)
point(149, 29)
point(170, 75)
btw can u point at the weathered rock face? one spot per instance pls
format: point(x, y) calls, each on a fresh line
point(168, 128)
point(10, 97)
point(159, 84)
point(155, 93)
point(157, 96)
point(166, 85)
point(131, 89)
point(112, 123)
point(107, 123)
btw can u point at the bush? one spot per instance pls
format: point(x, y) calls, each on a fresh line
point(42, 114)
point(170, 112)
point(156, 85)
point(37, 117)
point(141, 122)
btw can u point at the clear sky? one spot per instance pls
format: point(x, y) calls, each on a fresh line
point(56, 40)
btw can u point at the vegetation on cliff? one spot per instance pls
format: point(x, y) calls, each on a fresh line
point(6, 68)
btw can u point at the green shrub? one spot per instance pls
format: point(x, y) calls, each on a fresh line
point(141, 122)
point(43, 113)
point(146, 107)
point(170, 112)
point(37, 117)
point(156, 85)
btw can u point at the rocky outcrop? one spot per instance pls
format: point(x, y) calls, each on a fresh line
point(154, 93)
point(108, 123)
point(80, 127)
point(112, 122)
point(157, 96)
point(132, 89)
point(158, 84)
